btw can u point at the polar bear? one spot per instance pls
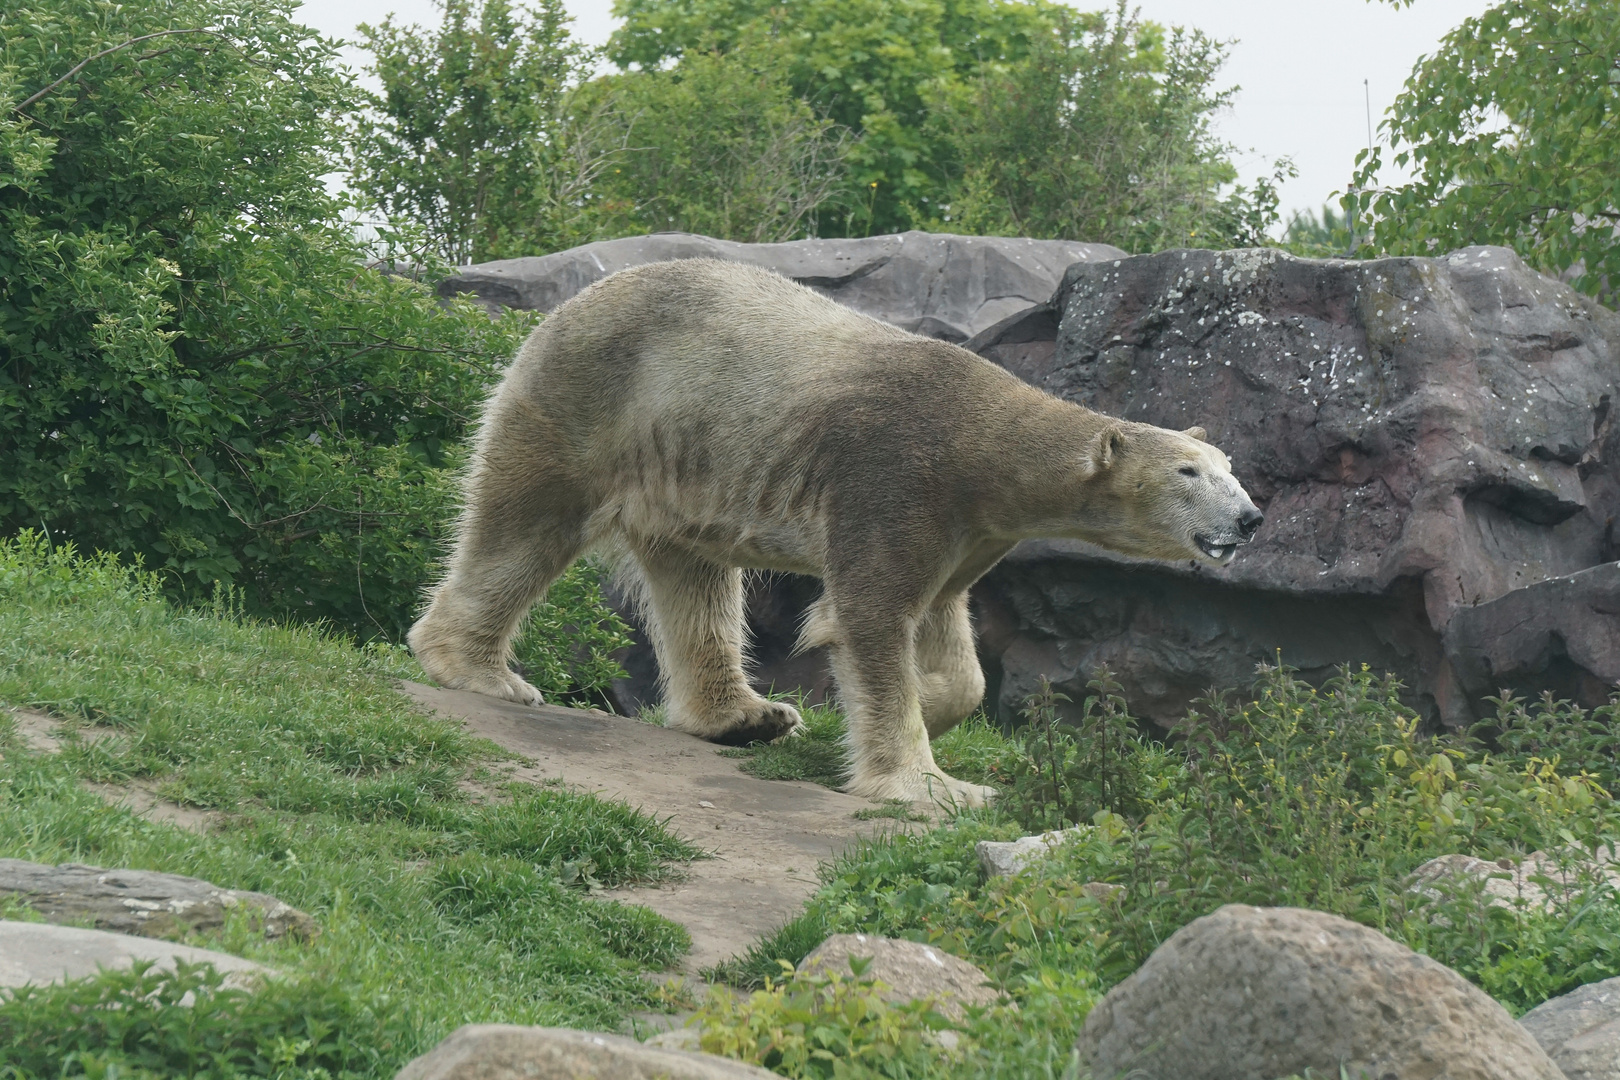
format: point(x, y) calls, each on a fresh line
point(700, 418)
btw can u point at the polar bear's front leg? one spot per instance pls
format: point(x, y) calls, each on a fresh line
point(875, 664)
point(694, 611)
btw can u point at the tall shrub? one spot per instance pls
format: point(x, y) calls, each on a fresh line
point(196, 365)
point(1511, 133)
point(476, 136)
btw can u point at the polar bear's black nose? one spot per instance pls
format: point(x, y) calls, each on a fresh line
point(1249, 522)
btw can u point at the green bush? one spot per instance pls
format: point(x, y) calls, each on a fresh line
point(132, 1024)
point(1505, 134)
point(475, 137)
point(869, 65)
point(565, 648)
point(197, 366)
point(1064, 773)
point(825, 1025)
point(721, 145)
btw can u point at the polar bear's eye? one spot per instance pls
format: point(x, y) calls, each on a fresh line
point(1188, 470)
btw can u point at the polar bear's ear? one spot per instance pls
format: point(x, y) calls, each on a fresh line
point(1197, 433)
point(1108, 444)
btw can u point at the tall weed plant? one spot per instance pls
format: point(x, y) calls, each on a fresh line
point(1292, 795)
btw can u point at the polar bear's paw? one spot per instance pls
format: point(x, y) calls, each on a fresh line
point(497, 683)
point(753, 722)
point(934, 788)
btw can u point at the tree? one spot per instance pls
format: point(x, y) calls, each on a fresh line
point(869, 65)
point(196, 365)
point(1324, 236)
point(1512, 129)
point(722, 146)
point(475, 136)
point(1103, 133)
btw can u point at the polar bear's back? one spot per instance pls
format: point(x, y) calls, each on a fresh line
point(714, 399)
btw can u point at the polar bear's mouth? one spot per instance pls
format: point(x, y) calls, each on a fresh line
point(1221, 553)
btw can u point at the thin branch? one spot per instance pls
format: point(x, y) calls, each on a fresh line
point(80, 66)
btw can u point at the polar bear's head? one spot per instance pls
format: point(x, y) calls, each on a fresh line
point(1171, 495)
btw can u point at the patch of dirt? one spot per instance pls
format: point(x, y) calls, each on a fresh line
point(39, 731)
point(768, 836)
point(141, 798)
point(45, 734)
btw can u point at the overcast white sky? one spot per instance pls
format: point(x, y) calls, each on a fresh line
point(1300, 63)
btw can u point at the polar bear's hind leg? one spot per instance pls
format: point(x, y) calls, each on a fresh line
point(950, 681)
point(694, 611)
point(511, 544)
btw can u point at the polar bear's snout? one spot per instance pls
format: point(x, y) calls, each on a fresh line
point(1227, 518)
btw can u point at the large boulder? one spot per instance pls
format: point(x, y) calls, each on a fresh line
point(508, 1052)
point(1425, 435)
point(144, 902)
point(1581, 1030)
point(935, 284)
point(1257, 993)
point(1559, 636)
point(1538, 882)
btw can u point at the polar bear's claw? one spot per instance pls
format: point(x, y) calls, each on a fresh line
point(766, 721)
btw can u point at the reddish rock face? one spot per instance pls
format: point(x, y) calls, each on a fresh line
point(1425, 436)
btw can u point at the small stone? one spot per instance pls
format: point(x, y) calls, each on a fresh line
point(1002, 858)
point(509, 1052)
point(706, 804)
point(1581, 1030)
point(681, 1038)
point(1269, 992)
point(910, 969)
point(1507, 884)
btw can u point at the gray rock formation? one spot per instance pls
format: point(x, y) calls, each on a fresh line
point(508, 1052)
point(1581, 1030)
point(1560, 636)
point(142, 902)
point(934, 284)
point(909, 969)
point(1255, 993)
point(1426, 435)
point(38, 954)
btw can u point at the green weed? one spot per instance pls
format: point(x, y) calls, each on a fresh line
point(146, 1024)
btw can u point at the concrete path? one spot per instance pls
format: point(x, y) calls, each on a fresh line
point(42, 953)
point(768, 836)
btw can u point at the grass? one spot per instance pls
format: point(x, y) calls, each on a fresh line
point(445, 894)
point(892, 809)
point(819, 755)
